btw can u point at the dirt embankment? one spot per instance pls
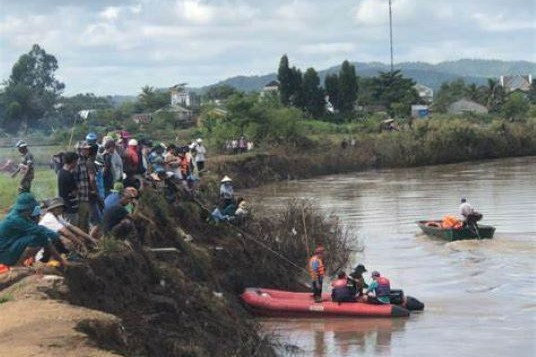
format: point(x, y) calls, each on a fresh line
point(131, 300)
point(34, 324)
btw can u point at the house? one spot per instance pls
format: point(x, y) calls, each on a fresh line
point(516, 83)
point(184, 117)
point(419, 111)
point(425, 93)
point(141, 118)
point(183, 97)
point(270, 88)
point(464, 106)
point(86, 113)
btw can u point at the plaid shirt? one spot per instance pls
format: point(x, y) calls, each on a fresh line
point(82, 180)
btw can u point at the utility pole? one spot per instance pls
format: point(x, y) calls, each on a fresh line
point(391, 34)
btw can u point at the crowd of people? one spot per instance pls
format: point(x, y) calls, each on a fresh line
point(237, 146)
point(98, 186)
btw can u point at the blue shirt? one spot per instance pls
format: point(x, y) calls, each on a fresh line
point(113, 199)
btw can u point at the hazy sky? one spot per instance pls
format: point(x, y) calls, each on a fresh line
point(116, 47)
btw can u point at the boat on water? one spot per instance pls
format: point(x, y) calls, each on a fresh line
point(280, 303)
point(434, 228)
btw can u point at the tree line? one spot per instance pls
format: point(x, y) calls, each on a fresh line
point(344, 93)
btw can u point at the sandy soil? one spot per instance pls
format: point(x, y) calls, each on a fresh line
point(34, 324)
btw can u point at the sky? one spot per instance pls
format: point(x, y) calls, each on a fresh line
point(118, 46)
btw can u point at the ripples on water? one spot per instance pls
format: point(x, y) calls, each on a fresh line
point(479, 295)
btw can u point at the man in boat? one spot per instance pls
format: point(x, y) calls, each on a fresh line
point(379, 290)
point(341, 292)
point(316, 269)
point(356, 282)
point(468, 214)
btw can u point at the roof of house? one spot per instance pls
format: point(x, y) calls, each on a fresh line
point(465, 105)
point(516, 82)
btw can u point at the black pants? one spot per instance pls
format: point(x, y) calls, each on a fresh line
point(317, 288)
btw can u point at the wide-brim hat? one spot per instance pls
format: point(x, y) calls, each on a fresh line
point(226, 179)
point(55, 203)
point(25, 201)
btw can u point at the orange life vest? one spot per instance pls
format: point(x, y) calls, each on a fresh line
point(316, 267)
point(451, 222)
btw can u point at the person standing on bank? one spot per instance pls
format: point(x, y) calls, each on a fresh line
point(26, 167)
point(316, 269)
point(67, 188)
point(201, 151)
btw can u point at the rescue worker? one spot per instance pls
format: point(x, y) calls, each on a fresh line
point(341, 292)
point(316, 269)
point(379, 290)
point(356, 280)
point(26, 167)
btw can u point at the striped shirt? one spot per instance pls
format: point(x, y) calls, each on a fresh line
point(82, 180)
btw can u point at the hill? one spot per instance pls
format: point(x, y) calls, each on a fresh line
point(471, 70)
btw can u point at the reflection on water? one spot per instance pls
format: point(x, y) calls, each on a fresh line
point(480, 295)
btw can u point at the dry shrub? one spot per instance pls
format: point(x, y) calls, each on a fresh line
point(277, 247)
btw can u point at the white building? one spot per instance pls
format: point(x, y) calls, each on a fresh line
point(183, 97)
point(425, 93)
point(516, 82)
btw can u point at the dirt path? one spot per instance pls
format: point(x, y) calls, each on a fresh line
point(34, 324)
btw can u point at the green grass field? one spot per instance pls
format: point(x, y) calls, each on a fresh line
point(42, 154)
point(43, 186)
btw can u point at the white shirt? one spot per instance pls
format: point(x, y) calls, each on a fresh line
point(52, 222)
point(466, 209)
point(201, 151)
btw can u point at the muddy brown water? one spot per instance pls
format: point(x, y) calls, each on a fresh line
point(480, 296)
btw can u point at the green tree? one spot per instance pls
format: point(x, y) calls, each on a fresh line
point(515, 108)
point(151, 100)
point(313, 94)
point(221, 92)
point(495, 95)
point(286, 84)
point(331, 84)
point(31, 91)
point(532, 92)
point(393, 87)
point(297, 97)
point(347, 95)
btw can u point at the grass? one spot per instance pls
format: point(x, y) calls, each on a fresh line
point(5, 298)
point(42, 154)
point(43, 186)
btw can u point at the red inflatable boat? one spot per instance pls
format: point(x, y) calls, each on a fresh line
point(269, 302)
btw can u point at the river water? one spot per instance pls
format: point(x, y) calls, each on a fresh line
point(480, 296)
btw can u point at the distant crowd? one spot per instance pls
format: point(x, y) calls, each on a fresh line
point(98, 186)
point(237, 146)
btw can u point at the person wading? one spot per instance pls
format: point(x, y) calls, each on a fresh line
point(316, 269)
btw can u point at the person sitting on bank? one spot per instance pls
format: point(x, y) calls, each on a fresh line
point(21, 237)
point(117, 216)
point(53, 220)
point(227, 190)
point(379, 291)
point(341, 292)
point(356, 280)
point(316, 270)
